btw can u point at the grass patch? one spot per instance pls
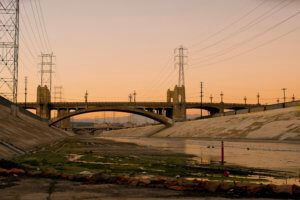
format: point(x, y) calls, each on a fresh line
point(122, 159)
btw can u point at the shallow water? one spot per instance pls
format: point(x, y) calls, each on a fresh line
point(265, 155)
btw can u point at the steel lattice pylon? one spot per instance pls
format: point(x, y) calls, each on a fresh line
point(9, 49)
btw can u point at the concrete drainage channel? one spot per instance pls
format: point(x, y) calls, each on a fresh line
point(12, 147)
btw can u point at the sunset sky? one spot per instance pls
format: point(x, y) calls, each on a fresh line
point(111, 48)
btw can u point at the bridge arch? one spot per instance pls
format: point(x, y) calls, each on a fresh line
point(159, 118)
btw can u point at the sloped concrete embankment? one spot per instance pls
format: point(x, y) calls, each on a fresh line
point(280, 124)
point(23, 133)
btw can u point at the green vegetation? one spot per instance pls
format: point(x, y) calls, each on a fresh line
point(73, 156)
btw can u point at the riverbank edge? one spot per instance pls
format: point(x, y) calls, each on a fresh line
point(209, 188)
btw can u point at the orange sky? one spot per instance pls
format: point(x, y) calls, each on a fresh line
point(112, 48)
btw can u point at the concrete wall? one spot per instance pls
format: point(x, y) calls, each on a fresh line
point(292, 104)
point(275, 106)
point(244, 111)
point(259, 109)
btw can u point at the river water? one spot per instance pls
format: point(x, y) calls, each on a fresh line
point(257, 154)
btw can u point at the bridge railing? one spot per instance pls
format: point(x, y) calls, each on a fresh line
point(259, 109)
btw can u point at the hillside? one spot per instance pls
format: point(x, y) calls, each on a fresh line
point(280, 124)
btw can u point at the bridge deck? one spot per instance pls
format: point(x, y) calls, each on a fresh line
point(70, 105)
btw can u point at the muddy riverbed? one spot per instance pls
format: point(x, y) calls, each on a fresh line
point(72, 167)
point(255, 154)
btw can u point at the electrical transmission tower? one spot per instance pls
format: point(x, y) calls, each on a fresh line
point(180, 62)
point(9, 49)
point(47, 70)
point(58, 93)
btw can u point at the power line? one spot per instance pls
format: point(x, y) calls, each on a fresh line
point(32, 29)
point(242, 29)
point(249, 50)
point(42, 25)
point(232, 24)
point(37, 27)
point(236, 46)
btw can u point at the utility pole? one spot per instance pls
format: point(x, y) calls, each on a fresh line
point(47, 70)
point(58, 93)
point(284, 97)
point(245, 100)
point(26, 82)
point(134, 96)
point(9, 48)
point(201, 99)
point(211, 98)
point(258, 99)
point(222, 95)
point(86, 97)
point(180, 61)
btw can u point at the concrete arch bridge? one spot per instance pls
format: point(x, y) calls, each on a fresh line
point(159, 118)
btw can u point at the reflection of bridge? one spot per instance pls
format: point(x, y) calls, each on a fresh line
point(174, 108)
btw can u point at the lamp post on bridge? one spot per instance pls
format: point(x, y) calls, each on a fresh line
point(130, 97)
point(211, 99)
point(245, 100)
point(222, 95)
point(201, 99)
point(293, 98)
point(86, 98)
point(134, 96)
point(258, 99)
point(284, 97)
point(278, 100)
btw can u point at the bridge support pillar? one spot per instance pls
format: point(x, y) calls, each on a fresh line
point(169, 113)
point(160, 111)
point(66, 123)
point(43, 102)
point(177, 98)
point(222, 108)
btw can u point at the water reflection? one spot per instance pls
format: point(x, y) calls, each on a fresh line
point(274, 156)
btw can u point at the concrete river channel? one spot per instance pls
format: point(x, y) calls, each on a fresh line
point(271, 155)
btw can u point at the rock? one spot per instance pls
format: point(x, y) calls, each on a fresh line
point(16, 171)
point(3, 171)
point(159, 183)
point(296, 191)
point(282, 190)
point(253, 189)
point(80, 178)
point(265, 191)
point(133, 182)
point(144, 182)
point(86, 173)
point(33, 173)
point(225, 186)
point(99, 178)
point(211, 186)
point(169, 183)
point(177, 188)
